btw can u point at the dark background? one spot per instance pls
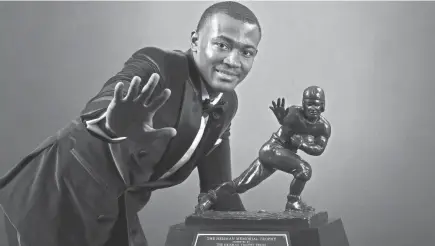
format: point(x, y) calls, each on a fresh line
point(375, 61)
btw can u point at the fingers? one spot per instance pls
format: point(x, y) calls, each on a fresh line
point(278, 102)
point(148, 89)
point(282, 102)
point(118, 91)
point(133, 89)
point(274, 104)
point(271, 108)
point(159, 101)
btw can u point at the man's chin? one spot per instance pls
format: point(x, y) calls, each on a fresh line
point(223, 86)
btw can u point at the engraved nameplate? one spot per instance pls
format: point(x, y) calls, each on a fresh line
point(241, 238)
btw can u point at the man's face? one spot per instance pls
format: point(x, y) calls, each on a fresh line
point(224, 51)
point(312, 108)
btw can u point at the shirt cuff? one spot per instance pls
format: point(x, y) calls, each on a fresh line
point(94, 128)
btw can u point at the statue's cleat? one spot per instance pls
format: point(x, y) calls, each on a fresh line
point(199, 210)
point(298, 205)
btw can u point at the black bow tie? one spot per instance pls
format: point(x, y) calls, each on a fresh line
point(209, 108)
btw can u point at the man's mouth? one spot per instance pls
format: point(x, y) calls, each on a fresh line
point(226, 73)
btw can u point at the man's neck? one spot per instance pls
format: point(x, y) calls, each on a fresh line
point(211, 93)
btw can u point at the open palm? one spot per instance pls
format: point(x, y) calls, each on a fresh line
point(132, 116)
point(279, 109)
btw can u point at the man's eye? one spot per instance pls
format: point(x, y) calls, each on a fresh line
point(222, 45)
point(248, 53)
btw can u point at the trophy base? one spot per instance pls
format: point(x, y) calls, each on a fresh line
point(215, 228)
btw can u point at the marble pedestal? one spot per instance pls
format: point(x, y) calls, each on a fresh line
point(214, 228)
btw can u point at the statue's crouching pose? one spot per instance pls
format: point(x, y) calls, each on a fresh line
point(302, 128)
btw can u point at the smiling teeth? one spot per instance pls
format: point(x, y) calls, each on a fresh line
point(222, 72)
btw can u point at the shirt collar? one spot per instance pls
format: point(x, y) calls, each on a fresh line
point(206, 95)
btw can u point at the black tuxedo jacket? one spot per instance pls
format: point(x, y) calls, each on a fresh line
point(69, 191)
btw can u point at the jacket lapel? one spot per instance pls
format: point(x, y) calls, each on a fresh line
point(211, 134)
point(221, 118)
point(187, 168)
point(214, 128)
point(187, 126)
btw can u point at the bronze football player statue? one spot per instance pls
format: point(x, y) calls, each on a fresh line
point(302, 128)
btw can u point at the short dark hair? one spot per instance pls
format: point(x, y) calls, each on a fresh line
point(233, 9)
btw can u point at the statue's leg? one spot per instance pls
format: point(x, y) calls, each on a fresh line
point(288, 161)
point(253, 176)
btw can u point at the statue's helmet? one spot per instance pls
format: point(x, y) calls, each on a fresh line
point(314, 93)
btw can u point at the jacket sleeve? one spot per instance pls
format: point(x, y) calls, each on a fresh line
point(214, 170)
point(139, 64)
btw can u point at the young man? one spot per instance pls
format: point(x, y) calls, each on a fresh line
point(302, 128)
point(163, 115)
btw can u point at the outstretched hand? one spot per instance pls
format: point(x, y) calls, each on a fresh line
point(132, 116)
point(279, 109)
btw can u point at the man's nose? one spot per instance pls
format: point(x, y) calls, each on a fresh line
point(233, 59)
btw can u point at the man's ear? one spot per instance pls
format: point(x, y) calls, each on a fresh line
point(194, 41)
